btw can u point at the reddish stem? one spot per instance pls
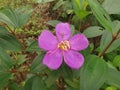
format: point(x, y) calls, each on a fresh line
point(113, 39)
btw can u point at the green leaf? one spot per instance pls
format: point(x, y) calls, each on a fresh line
point(81, 13)
point(3, 30)
point(116, 61)
point(113, 77)
point(23, 14)
point(114, 45)
point(14, 18)
point(13, 86)
point(33, 46)
point(110, 56)
point(52, 77)
point(38, 84)
point(4, 77)
point(66, 72)
point(93, 73)
point(35, 83)
point(53, 87)
point(111, 88)
point(112, 6)
point(93, 31)
point(58, 4)
point(8, 16)
point(73, 31)
point(73, 83)
point(70, 88)
point(116, 26)
point(105, 40)
point(9, 42)
point(81, 4)
point(20, 59)
point(28, 84)
point(53, 22)
point(101, 15)
point(37, 65)
point(79, 7)
point(5, 60)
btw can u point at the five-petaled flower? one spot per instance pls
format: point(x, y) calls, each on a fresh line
point(62, 47)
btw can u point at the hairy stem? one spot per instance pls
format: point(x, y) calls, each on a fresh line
point(113, 39)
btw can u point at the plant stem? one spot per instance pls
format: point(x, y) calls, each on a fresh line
point(13, 33)
point(61, 84)
point(113, 39)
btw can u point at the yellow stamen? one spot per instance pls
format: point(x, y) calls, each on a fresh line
point(64, 45)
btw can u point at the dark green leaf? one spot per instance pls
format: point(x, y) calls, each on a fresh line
point(87, 51)
point(3, 30)
point(5, 60)
point(14, 18)
point(53, 76)
point(73, 83)
point(38, 84)
point(66, 72)
point(116, 26)
point(33, 46)
point(37, 65)
point(9, 42)
point(114, 45)
point(93, 73)
point(28, 84)
point(13, 86)
point(93, 31)
point(8, 16)
point(23, 15)
point(4, 77)
point(58, 4)
point(101, 15)
point(70, 88)
point(105, 40)
point(53, 87)
point(53, 22)
point(110, 56)
point(113, 77)
point(112, 6)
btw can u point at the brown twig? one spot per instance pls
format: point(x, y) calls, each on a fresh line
point(113, 39)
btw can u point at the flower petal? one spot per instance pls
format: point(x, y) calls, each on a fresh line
point(47, 40)
point(63, 31)
point(79, 42)
point(53, 59)
point(73, 59)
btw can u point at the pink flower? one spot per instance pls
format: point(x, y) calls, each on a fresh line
point(62, 46)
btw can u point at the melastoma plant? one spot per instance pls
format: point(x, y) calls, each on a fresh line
point(63, 46)
point(62, 65)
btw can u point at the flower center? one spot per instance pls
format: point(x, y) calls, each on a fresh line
point(64, 45)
